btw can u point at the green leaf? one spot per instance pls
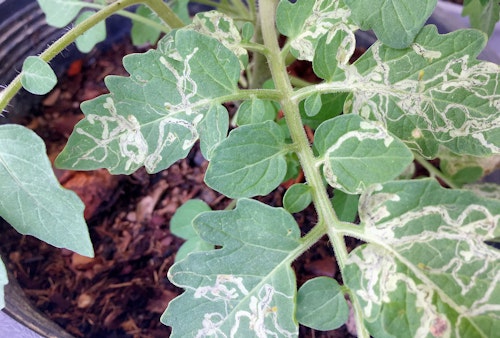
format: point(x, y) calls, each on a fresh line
point(59, 13)
point(463, 169)
point(213, 129)
point(483, 14)
point(408, 173)
point(250, 162)
point(356, 153)
point(181, 222)
point(247, 31)
point(192, 245)
point(306, 22)
point(91, 37)
point(180, 7)
point(37, 76)
point(255, 111)
point(395, 22)
point(297, 198)
point(142, 33)
point(181, 225)
point(327, 64)
point(221, 27)
point(32, 200)
point(345, 205)
point(433, 94)
point(152, 118)
point(292, 166)
point(331, 106)
point(428, 271)
point(312, 104)
point(246, 288)
point(4, 280)
point(486, 190)
point(321, 304)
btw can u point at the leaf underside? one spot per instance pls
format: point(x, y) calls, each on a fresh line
point(32, 200)
point(59, 13)
point(37, 76)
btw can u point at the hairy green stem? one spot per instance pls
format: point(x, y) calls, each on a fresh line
point(258, 68)
point(263, 94)
point(434, 172)
point(132, 16)
point(158, 6)
point(164, 12)
point(225, 8)
point(324, 208)
point(290, 108)
point(299, 82)
point(255, 47)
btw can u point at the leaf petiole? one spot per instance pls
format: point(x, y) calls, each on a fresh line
point(162, 9)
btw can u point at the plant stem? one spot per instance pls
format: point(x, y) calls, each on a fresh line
point(324, 208)
point(132, 16)
point(221, 7)
point(259, 69)
point(435, 172)
point(299, 82)
point(163, 11)
point(326, 214)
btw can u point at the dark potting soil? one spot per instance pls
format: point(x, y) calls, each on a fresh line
point(123, 290)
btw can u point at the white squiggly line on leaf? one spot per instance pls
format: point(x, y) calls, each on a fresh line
point(229, 288)
point(115, 126)
point(186, 86)
point(379, 278)
point(328, 20)
point(418, 97)
point(369, 131)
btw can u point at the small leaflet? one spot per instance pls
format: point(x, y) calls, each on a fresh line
point(37, 76)
point(221, 27)
point(428, 258)
point(321, 304)
point(247, 287)
point(142, 33)
point(91, 37)
point(357, 153)
point(250, 162)
point(395, 22)
point(181, 225)
point(483, 14)
point(59, 13)
point(255, 111)
point(306, 22)
point(297, 197)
